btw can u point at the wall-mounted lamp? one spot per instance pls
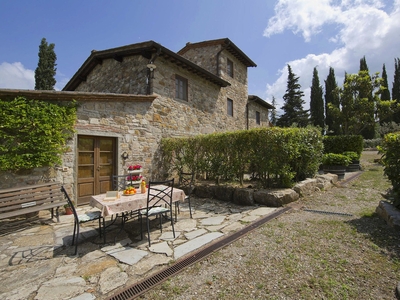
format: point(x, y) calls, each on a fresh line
point(124, 155)
point(151, 67)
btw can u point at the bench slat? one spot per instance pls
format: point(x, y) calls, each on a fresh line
point(28, 210)
point(32, 198)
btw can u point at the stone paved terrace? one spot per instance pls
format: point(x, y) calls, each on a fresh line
point(37, 261)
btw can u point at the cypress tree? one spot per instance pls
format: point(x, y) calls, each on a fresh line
point(293, 111)
point(385, 93)
point(396, 88)
point(331, 98)
point(273, 112)
point(46, 69)
point(363, 64)
point(316, 102)
point(369, 131)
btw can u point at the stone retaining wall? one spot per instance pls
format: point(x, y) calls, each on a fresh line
point(267, 197)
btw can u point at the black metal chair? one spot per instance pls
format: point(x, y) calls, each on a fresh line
point(159, 203)
point(186, 183)
point(119, 182)
point(86, 217)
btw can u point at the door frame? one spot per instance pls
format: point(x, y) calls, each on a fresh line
point(116, 158)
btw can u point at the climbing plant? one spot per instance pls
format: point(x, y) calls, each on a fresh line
point(33, 133)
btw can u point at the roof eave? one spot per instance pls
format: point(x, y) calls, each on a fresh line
point(72, 95)
point(258, 100)
point(146, 49)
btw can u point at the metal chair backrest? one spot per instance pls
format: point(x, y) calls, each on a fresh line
point(186, 182)
point(160, 193)
point(119, 182)
point(70, 203)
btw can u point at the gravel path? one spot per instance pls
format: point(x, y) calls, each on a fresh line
point(303, 254)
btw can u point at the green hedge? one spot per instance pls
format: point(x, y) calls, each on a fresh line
point(343, 143)
point(275, 156)
point(390, 149)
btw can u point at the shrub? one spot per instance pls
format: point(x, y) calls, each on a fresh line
point(334, 159)
point(342, 143)
point(276, 156)
point(390, 150)
point(373, 143)
point(352, 155)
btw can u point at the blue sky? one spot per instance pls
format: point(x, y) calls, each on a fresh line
point(302, 33)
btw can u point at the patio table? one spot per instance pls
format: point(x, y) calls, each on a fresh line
point(128, 203)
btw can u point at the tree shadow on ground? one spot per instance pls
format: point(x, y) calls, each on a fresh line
point(385, 237)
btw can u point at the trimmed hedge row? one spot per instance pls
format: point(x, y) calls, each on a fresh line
point(390, 149)
point(342, 143)
point(276, 156)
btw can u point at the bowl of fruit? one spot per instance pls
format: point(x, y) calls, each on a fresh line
point(130, 190)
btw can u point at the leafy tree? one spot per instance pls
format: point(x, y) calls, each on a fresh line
point(273, 112)
point(294, 112)
point(331, 99)
point(396, 88)
point(46, 69)
point(316, 102)
point(355, 110)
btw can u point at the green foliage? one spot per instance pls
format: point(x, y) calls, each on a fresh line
point(272, 117)
point(396, 88)
point(372, 143)
point(46, 69)
point(356, 112)
point(385, 93)
point(293, 111)
point(334, 159)
point(331, 104)
point(390, 150)
point(316, 102)
point(275, 156)
point(342, 143)
point(352, 155)
point(33, 133)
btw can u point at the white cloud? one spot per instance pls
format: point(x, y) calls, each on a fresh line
point(364, 27)
point(16, 76)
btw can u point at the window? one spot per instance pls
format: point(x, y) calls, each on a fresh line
point(181, 88)
point(229, 68)
point(229, 107)
point(258, 118)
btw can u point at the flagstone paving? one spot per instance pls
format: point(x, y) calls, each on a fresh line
point(37, 261)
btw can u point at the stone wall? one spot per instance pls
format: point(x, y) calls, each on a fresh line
point(267, 197)
point(140, 126)
point(264, 117)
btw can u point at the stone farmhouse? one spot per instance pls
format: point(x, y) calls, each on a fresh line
point(131, 97)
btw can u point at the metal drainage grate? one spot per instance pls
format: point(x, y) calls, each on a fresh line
point(328, 212)
point(141, 287)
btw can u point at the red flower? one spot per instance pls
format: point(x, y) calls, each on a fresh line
point(134, 177)
point(134, 167)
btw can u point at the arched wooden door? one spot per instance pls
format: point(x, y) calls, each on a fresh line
point(96, 165)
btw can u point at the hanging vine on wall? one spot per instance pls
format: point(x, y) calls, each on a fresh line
point(33, 133)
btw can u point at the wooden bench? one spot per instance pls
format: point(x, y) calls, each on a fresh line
point(32, 198)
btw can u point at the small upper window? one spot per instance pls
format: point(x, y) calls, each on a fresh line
point(229, 107)
point(229, 68)
point(258, 118)
point(181, 88)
